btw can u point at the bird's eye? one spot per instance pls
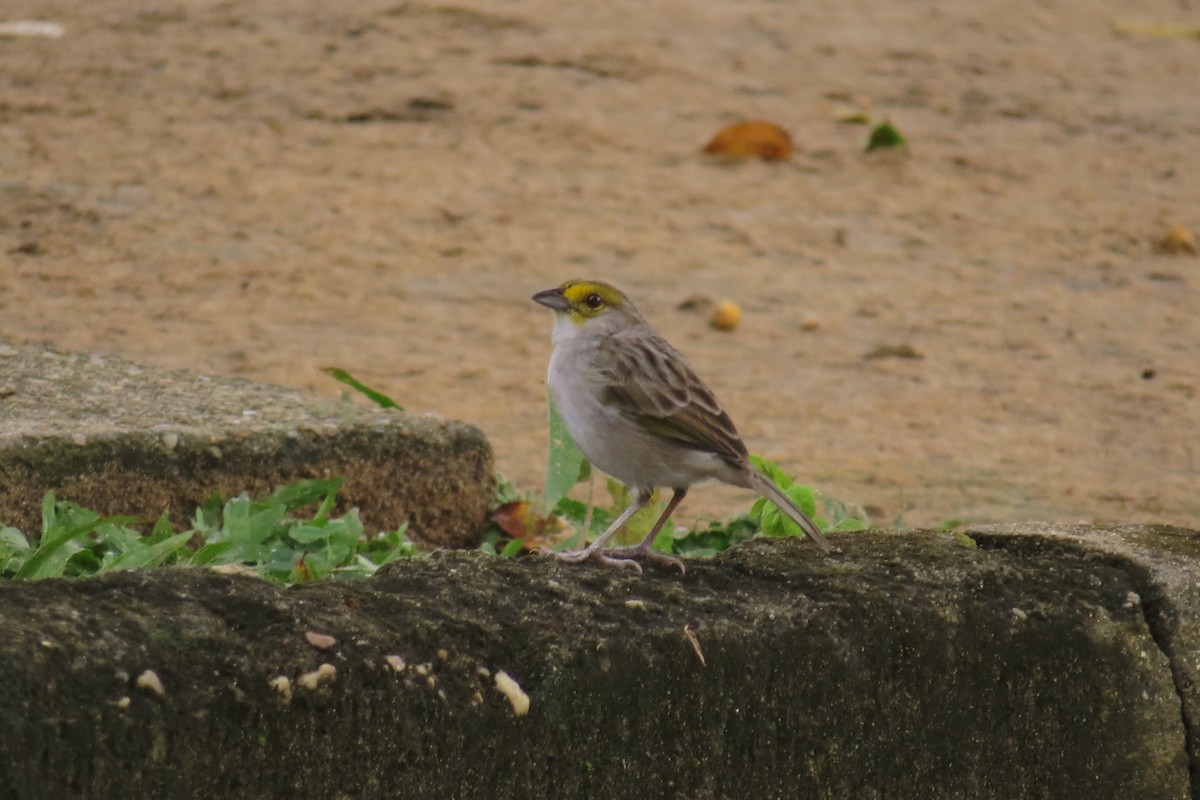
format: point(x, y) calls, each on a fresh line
point(593, 301)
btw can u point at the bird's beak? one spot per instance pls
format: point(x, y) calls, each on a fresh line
point(553, 298)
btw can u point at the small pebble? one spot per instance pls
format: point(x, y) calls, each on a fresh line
point(282, 685)
point(513, 692)
point(321, 641)
point(323, 673)
point(150, 683)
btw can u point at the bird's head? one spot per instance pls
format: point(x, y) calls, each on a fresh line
point(588, 303)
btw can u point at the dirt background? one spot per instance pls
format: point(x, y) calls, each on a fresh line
point(262, 189)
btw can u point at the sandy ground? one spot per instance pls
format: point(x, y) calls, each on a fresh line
point(264, 188)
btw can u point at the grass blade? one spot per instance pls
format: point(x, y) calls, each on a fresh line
point(379, 398)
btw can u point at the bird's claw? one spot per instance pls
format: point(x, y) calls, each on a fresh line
point(631, 553)
point(621, 557)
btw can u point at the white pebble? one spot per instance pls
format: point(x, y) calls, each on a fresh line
point(323, 673)
point(149, 682)
point(513, 692)
point(282, 685)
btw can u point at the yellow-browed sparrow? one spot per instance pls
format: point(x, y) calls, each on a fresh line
point(639, 413)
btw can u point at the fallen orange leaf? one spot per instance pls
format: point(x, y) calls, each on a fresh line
point(518, 520)
point(514, 519)
point(754, 138)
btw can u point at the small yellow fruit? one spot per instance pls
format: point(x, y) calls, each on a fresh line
point(726, 316)
point(1179, 241)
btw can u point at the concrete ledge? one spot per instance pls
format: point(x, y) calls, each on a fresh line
point(119, 437)
point(1043, 663)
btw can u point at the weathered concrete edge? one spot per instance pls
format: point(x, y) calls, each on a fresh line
point(436, 475)
point(608, 662)
point(1163, 562)
point(125, 438)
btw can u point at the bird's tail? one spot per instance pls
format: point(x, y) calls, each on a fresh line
point(768, 489)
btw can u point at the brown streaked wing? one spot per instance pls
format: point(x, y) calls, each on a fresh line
point(652, 384)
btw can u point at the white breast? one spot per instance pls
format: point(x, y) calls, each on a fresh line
point(613, 443)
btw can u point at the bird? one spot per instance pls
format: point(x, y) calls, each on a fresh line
point(638, 412)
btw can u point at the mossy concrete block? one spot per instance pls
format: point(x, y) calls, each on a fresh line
point(1037, 664)
point(122, 438)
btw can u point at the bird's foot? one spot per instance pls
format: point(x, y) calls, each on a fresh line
point(621, 557)
point(645, 553)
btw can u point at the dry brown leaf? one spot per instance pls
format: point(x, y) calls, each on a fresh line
point(518, 520)
point(754, 138)
point(514, 518)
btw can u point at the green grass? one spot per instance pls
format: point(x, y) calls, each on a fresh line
point(268, 536)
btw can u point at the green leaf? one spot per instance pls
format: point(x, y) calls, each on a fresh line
point(805, 497)
point(772, 471)
point(118, 539)
point(379, 398)
point(304, 493)
point(162, 529)
point(642, 521)
point(391, 546)
point(512, 548)
point(211, 553)
point(14, 538)
point(308, 534)
point(883, 136)
point(148, 556)
point(282, 561)
point(50, 558)
point(564, 464)
point(849, 524)
point(49, 515)
point(575, 512)
point(771, 521)
point(208, 516)
point(320, 565)
point(82, 562)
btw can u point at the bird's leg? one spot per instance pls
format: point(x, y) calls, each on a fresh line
point(644, 550)
point(640, 499)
